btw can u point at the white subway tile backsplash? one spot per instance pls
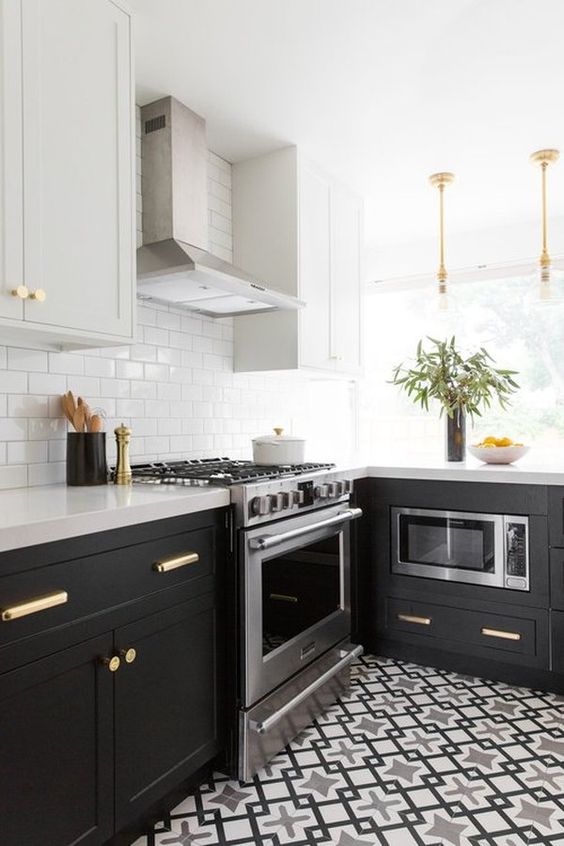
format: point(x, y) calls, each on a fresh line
point(13, 428)
point(21, 359)
point(129, 369)
point(13, 382)
point(66, 363)
point(13, 476)
point(27, 405)
point(28, 452)
point(98, 366)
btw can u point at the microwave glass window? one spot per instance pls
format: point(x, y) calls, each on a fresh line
point(299, 589)
point(447, 542)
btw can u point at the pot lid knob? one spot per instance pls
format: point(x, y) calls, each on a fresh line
point(278, 430)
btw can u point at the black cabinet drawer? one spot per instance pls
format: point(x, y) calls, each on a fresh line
point(557, 579)
point(557, 626)
point(556, 516)
point(80, 587)
point(490, 634)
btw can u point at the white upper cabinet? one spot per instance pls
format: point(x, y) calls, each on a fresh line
point(67, 145)
point(301, 232)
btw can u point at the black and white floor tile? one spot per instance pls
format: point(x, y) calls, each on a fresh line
point(413, 756)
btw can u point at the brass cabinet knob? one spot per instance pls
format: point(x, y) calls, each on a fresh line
point(22, 291)
point(39, 295)
point(113, 664)
point(129, 655)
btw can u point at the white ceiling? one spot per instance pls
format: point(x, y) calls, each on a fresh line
point(380, 92)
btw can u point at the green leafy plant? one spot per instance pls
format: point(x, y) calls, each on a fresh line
point(457, 383)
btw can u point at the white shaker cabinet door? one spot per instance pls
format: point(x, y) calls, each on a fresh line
point(346, 294)
point(78, 165)
point(315, 269)
point(11, 205)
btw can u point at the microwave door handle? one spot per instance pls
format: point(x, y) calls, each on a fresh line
point(347, 656)
point(268, 541)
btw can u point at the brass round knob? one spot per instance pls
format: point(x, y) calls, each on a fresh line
point(39, 295)
point(21, 291)
point(113, 664)
point(129, 655)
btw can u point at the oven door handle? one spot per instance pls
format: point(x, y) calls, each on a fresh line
point(347, 657)
point(268, 541)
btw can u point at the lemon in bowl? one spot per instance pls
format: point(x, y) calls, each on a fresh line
point(492, 450)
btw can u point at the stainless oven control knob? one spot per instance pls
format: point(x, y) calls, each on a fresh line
point(297, 497)
point(290, 499)
point(321, 492)
point(341, 488)
point(261, 505)
point(334, 489)
point(277, 502)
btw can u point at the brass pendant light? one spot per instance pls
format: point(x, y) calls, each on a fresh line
point(549, 283)
point(440, 181)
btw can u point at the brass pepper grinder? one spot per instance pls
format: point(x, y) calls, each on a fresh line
point(122, 475)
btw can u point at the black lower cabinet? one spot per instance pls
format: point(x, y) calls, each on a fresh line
point(166, 715)
point(56, 749)
point(110, 701)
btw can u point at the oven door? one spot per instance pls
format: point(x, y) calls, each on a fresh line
point(457, 546)
point(295, 595)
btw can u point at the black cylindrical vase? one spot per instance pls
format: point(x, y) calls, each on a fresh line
point(86, 458)
point(456, 436)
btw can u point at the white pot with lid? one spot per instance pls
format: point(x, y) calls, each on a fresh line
point(278, 449)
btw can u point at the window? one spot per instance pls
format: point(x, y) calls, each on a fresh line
point(493, 313)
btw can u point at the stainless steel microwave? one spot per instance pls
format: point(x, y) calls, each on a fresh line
point(460, 546)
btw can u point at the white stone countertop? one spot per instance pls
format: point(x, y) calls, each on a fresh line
point(525, 472)
point(30, 516)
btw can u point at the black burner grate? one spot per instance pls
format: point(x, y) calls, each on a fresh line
point(217, 471)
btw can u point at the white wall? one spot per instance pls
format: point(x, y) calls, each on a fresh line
point(175, 387)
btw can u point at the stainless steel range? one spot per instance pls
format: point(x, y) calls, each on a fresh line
point(293, 557)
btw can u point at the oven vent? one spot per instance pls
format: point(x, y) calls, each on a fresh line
point(155, 123)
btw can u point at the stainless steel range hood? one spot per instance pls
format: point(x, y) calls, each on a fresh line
point(174, 265)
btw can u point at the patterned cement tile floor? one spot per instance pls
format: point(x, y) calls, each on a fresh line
point(413, 756)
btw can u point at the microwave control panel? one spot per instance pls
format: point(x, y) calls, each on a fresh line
point(516, 555)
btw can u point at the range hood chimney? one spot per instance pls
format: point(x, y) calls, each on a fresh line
point(174, 265)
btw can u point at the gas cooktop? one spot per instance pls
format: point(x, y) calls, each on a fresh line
point(217, 471)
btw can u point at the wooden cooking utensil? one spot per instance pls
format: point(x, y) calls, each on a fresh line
point(96, 423)
point(78, 419)
point(87, 412)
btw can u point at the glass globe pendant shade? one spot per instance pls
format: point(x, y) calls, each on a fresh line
point(547, 288)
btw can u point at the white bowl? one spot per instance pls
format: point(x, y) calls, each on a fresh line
point(498, 455)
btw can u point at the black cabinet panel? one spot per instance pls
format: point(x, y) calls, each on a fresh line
point(557, 579)
point(56, 774)
point(556, 515)
point(557, 624)
point(166, 708)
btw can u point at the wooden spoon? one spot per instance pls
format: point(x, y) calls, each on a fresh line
point(96, 423)
point(87, 412)
point(78, 419)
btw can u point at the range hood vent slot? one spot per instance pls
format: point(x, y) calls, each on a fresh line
point(174, 265)
point(155, 123)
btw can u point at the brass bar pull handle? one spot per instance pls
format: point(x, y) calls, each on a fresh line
point(501, 634)
point(166, 564)
point(411, 618)
point(33, 606)
point(282, 597)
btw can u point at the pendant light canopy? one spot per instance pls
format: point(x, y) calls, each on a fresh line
point(440, 181)
point(549, 282)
